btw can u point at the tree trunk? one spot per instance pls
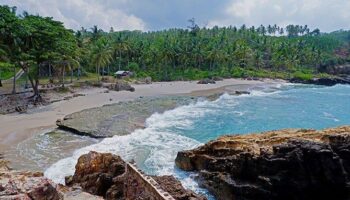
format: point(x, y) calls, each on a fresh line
point(14, 81)
point(98, 74)
point(35, 86)
point(79, 72)
point(120, 59)
point(63, 74)
point(50, 74)
point(71, 75)
point(0, 78)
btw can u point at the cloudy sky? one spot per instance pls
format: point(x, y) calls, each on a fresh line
point(328, 15)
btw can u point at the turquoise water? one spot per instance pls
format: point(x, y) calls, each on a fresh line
point(155, 147)
point(293, 106)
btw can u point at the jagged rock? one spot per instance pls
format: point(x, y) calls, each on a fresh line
point(175, 189)
point(26, 185)
point(287, 164)
point(122, 85)
point(106, 175)
point(206, 81)
point(95, 172)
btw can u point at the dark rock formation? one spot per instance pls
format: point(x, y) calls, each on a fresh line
point(241, 92)
point(206, 81)
point(109, 176)
point(286, 164)
point(323, 81)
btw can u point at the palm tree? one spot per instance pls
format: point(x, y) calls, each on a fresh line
point(101, 55)
point(120, 47)
point(71, 64)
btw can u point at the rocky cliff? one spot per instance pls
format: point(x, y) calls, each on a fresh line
point(286, 164)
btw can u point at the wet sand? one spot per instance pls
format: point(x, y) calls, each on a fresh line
point(15, 128)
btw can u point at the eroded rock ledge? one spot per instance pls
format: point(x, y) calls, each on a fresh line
point(118, 119)
point(285, 164)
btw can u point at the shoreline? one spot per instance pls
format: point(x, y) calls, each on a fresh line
point(16, 128)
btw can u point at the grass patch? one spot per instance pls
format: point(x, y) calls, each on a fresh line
point(303, 76)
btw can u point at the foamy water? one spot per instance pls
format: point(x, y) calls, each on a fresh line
point(154, 148)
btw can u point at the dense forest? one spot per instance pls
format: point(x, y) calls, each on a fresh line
point(33, 43)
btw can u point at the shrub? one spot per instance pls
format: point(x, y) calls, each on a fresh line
point(302, 76)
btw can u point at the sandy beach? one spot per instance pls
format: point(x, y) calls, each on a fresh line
point(15, 128)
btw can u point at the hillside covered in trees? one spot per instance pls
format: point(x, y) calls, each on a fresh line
point(43, 47)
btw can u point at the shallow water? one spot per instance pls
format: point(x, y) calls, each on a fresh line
point(155, 147)
point(39, 152)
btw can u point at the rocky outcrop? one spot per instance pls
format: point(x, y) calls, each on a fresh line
point(287, 164)
point(117, 119)
point(323, 81)
point(109, 176)
point(95, 172)
point(25, 185)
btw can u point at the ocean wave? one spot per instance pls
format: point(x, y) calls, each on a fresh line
point(155, 147)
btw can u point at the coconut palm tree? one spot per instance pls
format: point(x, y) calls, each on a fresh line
point(101, 55)
point(67, 63)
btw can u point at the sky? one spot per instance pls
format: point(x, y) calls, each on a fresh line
point(149, 15)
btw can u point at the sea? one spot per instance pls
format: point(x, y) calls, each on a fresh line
point(280, 106)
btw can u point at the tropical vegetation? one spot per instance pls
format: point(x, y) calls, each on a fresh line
point(43, 47)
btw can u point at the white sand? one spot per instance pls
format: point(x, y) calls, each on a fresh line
point(15, 128)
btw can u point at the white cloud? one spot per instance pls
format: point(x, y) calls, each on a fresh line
point(328, 15)
point(77, 13)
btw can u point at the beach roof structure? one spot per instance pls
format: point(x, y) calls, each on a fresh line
point(121, 72)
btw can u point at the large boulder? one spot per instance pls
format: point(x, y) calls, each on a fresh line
point(96, 173)
point(287, 164)
point(108, 176)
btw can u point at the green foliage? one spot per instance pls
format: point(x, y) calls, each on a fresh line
point(6, 70)
point(302, 76)
point(174, 54)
